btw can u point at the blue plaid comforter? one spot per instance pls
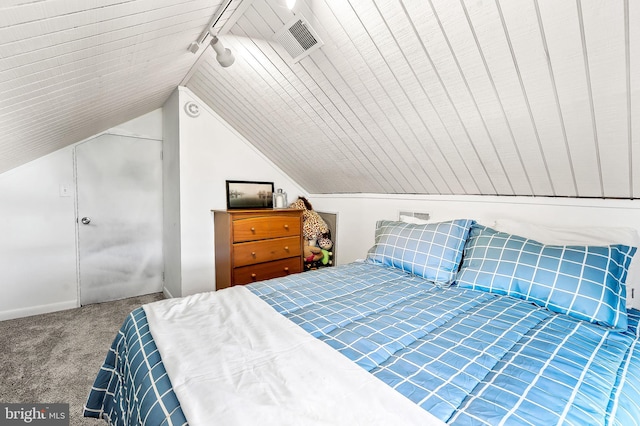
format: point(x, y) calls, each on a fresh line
point(132, 387)
point(467, 356)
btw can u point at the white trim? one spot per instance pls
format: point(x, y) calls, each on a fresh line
point(77, 228)
point(546, 201)
point(167, 293)
point(37, 310)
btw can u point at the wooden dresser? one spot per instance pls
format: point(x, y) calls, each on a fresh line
point(256, 245)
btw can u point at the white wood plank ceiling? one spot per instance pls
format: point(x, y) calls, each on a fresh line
point(527, 97)
point(70, 69)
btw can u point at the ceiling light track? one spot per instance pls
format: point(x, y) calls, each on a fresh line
point(195, 45)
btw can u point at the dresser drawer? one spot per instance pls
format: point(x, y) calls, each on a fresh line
point(259, 228)
point(265, 251)
point(256, 244)
point(266, 271)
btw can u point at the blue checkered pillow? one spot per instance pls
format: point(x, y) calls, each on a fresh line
point(432, 251)
point(586, 282)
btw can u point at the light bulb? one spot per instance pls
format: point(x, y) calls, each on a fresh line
point(291, 4)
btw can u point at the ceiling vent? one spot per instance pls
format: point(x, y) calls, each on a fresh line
point(298, 38)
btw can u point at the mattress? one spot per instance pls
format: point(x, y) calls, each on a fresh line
point(465, 356)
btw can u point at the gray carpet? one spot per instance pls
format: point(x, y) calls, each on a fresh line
point(54, 358)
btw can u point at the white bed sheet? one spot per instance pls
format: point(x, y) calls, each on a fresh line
point(233, 360)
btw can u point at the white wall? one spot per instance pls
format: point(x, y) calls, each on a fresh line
point(38, 229)
point(171, 196)
point(210, 152)
point(357, 214)
point(37, 237)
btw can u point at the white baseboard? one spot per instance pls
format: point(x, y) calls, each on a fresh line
point(167, 293)
point(37, 310)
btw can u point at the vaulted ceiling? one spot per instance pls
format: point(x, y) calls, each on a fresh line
point(526, 97)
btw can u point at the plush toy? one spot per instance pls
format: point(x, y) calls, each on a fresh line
point(326, 257)
point(311, 253)
point(316, 254)
point(316, 233)
point(313, 225)
point(325, 243)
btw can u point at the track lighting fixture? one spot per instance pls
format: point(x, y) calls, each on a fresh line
point(223, 56)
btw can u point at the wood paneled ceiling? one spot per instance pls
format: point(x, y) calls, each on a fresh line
point(527, 97)
point(72, 68)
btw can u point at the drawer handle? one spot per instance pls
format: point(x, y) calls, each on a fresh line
point(286, 269)
point(286, 226)
point(253, 253)
point(286, 248)
point(253, 229)
point(253, 276)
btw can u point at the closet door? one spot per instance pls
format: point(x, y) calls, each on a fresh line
point(119, 190)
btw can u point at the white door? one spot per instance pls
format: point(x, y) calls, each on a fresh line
point(119, 189)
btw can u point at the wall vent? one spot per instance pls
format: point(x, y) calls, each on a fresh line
point(298, 38)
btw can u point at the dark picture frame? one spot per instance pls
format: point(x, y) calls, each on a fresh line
point(245, 194)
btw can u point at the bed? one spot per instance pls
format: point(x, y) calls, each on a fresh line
point(450, 322)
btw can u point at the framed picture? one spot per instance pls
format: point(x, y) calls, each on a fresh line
point(243, 194)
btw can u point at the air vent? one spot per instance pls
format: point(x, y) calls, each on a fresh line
point(298, 38)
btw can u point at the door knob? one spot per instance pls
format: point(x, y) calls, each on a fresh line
point(85, 220)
